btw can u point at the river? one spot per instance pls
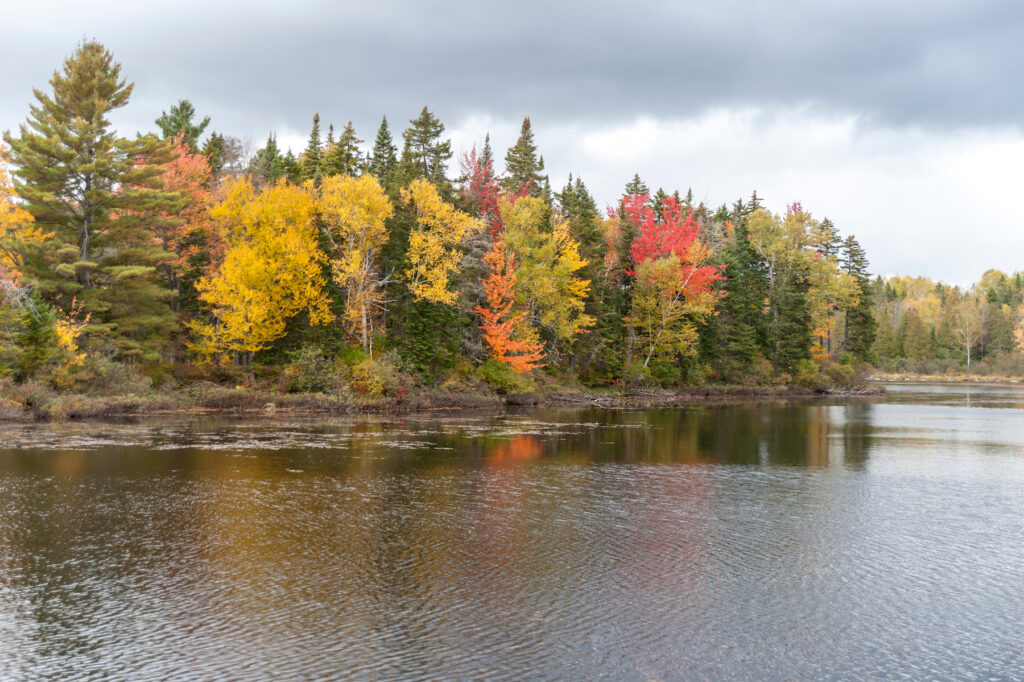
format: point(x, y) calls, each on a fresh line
point(855, 539)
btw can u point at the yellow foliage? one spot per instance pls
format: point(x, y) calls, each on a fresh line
point(433, 244)
point(272, 269)
point(17, 227)
point(549, 258)
point(354, 211)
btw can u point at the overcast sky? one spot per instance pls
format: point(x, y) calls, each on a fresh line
point(900, 121)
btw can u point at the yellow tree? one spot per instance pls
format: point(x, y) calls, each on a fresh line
point(353, 212)
point(17, 232)
point(272, 269)
point(433, 253)
point(549, 260)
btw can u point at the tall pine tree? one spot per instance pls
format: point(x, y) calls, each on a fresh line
point(522, 166)
point(861, 326)
point(99, 195)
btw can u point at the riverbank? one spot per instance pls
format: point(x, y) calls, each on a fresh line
point(213, 399)
point(956, 378)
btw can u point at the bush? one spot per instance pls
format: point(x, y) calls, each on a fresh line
point(310, 372)
point(379, 377)
point(502, 378)
point(665, 372)
point(805, 373)
point(636, 375)
point(99, 376)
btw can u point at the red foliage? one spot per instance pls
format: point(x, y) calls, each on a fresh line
point(482, 190)
point(670, 234)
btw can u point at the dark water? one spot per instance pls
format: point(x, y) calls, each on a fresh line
point(856, 540)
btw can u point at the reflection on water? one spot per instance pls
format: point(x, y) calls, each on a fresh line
point(852, 540)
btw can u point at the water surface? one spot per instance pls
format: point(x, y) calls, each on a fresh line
point(862, 539)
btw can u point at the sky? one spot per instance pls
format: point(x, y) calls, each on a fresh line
point(899, 121)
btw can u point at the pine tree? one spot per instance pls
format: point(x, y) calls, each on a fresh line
point(742, 326)
point(861, 326)
point(343, 157)
point(487, 158)
point(312, 160)
point(267, 163)
point(99, 195)
point(382, 159)
point(424, 154)
point(179, 120)
point(636, 187)
point(213, 150)
point(825, 238)
point(522, 167)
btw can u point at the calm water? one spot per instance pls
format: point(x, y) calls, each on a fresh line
point(865, 539)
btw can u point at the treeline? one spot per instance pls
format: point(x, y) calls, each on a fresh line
point(927, 327)
point(177, 255)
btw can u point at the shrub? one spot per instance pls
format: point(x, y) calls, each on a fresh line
point(805, 373)
point(310, 371)
point(379, 377)
point(665, 372)
point(502, 379)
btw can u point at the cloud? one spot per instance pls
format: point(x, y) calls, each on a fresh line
point(921, 201)
point(899, 120)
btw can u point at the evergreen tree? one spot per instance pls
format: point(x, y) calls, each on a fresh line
point(522, 166)
point(99, 195)
point(789, 325)
point(312, 160)
point(742, 326)
point(179, 121)
point(213, 150)
point(861, 326)
point(825, 238)
point(424, 154)
point(487, 158)
point(343, 157)
point(636, 187)
point(382, 159)
point(267, 163)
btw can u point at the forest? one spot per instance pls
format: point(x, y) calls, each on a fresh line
point(178, 258)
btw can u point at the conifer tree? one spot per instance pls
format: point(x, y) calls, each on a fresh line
point(382, 159)
point(267, 163)
point(861, 326)
point(742, 325)
point(636, 187)
point(97, 194)
point(343, 157)
point(213, 150)
point(424, 154)
point(179, 121)
point(522, 166)
point(312, 159)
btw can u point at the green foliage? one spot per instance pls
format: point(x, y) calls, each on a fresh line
point(36, 342)
point(664, 371)
point(522, 166)
point(100, 197)
point(502, 378)
point(179, 122)
point(310, 371)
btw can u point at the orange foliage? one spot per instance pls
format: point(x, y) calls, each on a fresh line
point(187, 235)
point(499, 323)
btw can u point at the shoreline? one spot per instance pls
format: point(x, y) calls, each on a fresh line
point(244, 402)
point(950, 379)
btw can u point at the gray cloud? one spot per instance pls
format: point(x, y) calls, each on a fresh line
point(261, 65)
point(900, 120)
